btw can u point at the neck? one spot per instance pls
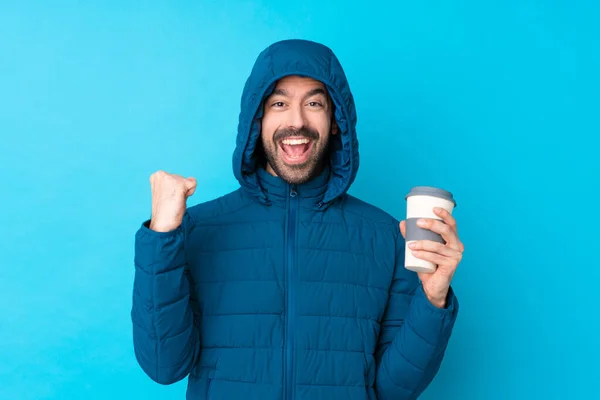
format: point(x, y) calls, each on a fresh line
point(270, 169)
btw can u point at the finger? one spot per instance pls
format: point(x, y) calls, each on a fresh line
point(403, 228)
point(447, 217)
point(449, 263)
point(434, 247)
point(439, 227)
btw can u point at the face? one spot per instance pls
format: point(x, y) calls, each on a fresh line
point(296, 126)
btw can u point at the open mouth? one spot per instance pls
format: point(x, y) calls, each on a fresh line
point(295, 150)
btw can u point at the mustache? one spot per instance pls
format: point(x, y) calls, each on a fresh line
point(305, 132)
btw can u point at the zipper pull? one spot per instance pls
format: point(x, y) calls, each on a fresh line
point(293, 192)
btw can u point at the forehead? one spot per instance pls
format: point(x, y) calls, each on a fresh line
point(300, 84)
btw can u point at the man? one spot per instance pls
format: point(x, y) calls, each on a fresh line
point(289, 288)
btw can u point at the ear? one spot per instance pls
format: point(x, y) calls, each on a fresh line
point(334, 128)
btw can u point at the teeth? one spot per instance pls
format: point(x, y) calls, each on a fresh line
point(295, 141)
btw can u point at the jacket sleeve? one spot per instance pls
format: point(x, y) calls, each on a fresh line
point(165, 336)
point(414, 335)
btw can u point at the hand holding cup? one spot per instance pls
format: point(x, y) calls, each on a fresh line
point(433, 248)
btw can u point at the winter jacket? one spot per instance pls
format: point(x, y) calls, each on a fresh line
point(291, 292)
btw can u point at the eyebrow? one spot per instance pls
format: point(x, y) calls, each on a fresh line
point(280, 92)
point(316, 91)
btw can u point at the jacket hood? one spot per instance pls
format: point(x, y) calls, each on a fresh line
point(303, 58)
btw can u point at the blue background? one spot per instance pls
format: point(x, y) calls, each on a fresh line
point(497, 101)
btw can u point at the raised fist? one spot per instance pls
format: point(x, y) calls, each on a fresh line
point(169, 195)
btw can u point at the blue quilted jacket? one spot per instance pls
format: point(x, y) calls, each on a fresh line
point(276, 291)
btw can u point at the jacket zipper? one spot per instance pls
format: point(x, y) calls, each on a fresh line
point(290, 292)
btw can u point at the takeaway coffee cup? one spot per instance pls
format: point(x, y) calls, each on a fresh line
point(419, 204)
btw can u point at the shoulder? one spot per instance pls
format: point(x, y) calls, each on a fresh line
point(217, 209)
point(359, 211)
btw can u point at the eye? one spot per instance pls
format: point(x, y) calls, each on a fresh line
point(315, 104)
point(278, 104)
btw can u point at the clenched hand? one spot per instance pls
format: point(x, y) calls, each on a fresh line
point(169, 195)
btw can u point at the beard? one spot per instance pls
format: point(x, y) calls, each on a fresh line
point(297, 173)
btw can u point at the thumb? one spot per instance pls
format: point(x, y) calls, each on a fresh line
point(403, 228)
point(190, 186)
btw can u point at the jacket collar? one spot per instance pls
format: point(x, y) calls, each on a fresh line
point(310, 194)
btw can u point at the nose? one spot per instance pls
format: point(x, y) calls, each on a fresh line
point(296, 118)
